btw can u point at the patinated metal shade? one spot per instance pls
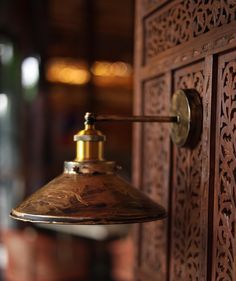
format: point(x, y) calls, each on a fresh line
point(88, 192)
point(98, 197)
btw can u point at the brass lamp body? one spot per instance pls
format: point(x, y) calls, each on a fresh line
point(90, 192)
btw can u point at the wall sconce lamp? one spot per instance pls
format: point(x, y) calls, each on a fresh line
point(90, 192)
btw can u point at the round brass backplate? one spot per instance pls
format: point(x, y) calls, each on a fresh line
point(186, 104)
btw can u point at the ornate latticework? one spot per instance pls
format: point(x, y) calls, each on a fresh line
point(190, 42)
point(188, 235)
point(225, 178)
point(181, 21)
point(155, 175)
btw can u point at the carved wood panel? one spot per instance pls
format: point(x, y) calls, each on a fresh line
point(185, 44)
point(155, 175)
point(150, 5)
point(225, 172)
point(189, 235)
point(181, 21)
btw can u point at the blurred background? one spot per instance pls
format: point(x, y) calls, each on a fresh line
point(58, 60)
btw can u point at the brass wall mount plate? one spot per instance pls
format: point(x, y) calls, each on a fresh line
point(187, 105)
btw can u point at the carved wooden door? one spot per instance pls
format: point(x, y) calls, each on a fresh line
point(187, 44)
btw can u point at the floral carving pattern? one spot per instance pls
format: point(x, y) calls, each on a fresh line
point(225, 215)
point(182, 21)
point(188, 235)
point(200, 248)
point(155, 175)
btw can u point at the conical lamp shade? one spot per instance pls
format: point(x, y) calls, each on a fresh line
point(88, 192)
point(88, 198)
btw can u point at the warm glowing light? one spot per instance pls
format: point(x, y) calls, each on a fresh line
point(30, 72)
point(68, 72)
point(3, 104)
point(108, 69)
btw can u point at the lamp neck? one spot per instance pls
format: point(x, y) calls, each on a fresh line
point(89, 144)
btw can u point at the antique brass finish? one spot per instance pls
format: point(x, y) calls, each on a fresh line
point(90, 192)
point(186, 104)
point(89, 144)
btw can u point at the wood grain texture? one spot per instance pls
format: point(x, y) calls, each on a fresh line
point(155, 173)
point(195, 49)
point(224, 257)
point(189, 195)
point(149, 6)
point(188, 42)
point(181, 21)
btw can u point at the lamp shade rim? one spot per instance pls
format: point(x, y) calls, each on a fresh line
point(87, 220)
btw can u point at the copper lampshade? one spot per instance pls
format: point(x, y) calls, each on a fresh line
point(88, 192)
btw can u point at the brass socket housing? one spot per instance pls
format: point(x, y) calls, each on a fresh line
point(89, 144)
